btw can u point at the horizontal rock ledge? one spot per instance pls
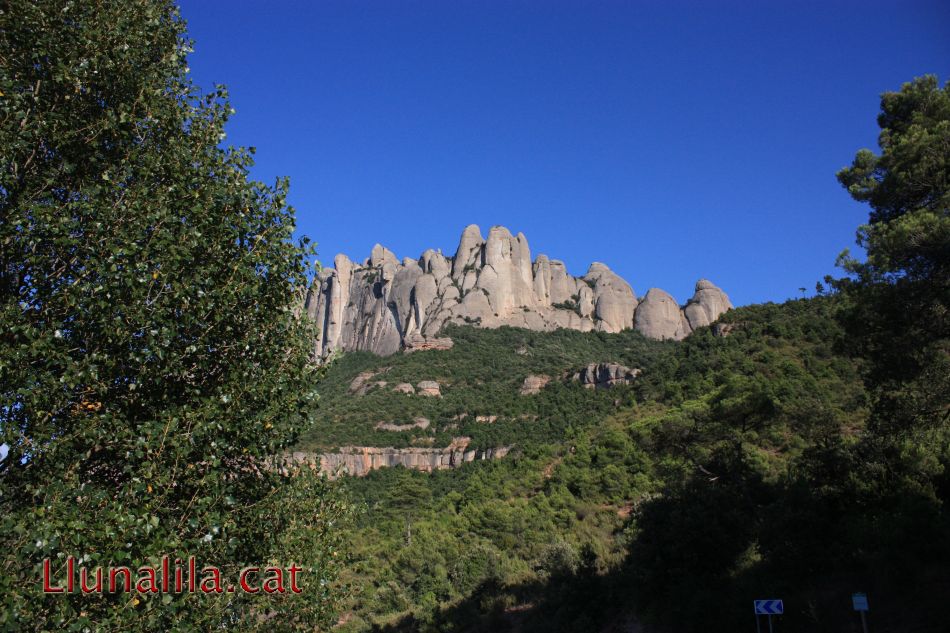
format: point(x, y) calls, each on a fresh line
point(359, 461)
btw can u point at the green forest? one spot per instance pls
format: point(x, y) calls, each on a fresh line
point(734, 467)
point(481, 376)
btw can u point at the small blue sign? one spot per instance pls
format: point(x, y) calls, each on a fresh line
point(860, 601)
point(769, 607)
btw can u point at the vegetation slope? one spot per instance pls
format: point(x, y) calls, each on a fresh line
point(727, 472)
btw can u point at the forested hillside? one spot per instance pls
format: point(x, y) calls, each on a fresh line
point(727, 471)
point(480, 377)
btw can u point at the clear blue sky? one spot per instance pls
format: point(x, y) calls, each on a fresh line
point(669, 140)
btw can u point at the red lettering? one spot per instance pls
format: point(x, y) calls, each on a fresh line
point(70, 571)
point(178, 574)
point(245, 585)
point(147, 582)
point(211, 583)
point(274, 584)
point(84, 579)
point(293, 577)
point(113, 574)
point(47, 586)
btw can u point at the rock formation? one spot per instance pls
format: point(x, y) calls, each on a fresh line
point(363, 382)
point(360, 460)
point(659, 316)
point(604, 375)
point(706, 305)
point(534, 384)
point(419, 343)
point(417, 423)
point(429, 388)
point(384, 305)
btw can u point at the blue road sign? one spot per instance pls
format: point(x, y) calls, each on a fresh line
point(860, 601)
point(769, 607)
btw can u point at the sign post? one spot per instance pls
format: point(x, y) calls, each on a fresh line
point(860, 603)
point(769, 608)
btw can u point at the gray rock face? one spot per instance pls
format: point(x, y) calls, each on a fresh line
point(659, 316)
point(534, 384)
point(429, 388)
point(706, 305)
point(419, 343)
point(605, 375)
point(612, 299)
point(384, 305)
point(359, 461)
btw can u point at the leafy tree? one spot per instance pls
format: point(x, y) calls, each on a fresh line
point(900, 296)
point(150, 356)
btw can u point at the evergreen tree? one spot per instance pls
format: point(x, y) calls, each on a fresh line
point(900, 296)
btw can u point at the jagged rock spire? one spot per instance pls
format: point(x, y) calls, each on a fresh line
point(491, 282)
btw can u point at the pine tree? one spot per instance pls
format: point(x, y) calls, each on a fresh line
point(900, 296)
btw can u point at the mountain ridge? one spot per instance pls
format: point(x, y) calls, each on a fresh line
point(385, 305)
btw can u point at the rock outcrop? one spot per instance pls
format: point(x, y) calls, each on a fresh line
point(706, 305)
point(385, 305)
point(534, 384)
point(417, 423)
point(659, 316)
point(605, 375)
point(429, 388)
point(360, 460)
point(419, 343)
point(724, 329)
point(364, 382)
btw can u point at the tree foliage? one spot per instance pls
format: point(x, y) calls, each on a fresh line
point(900, 296)
point(151, 356)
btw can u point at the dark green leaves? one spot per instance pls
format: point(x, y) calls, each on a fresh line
point(150, 358)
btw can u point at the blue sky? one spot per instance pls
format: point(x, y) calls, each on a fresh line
point(669, 140)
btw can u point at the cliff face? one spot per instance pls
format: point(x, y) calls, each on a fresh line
point(384, 305)
point(360, 460)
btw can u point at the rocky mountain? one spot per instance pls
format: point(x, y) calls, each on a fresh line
point(384, 305)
